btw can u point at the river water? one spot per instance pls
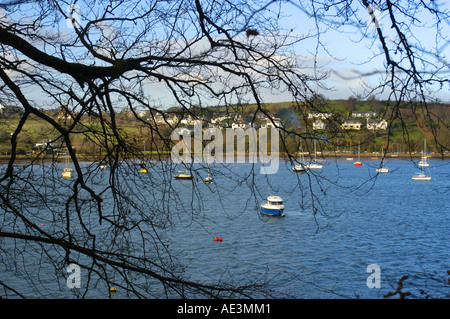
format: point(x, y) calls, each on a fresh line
point(338, 221)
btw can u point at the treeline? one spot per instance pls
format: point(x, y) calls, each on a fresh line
point(405, 131)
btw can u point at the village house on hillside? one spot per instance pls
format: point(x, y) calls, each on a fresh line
point(368, 114)
point(351, 124)
point(377, 124)
point(275, 122)
point(319, 125)
point(319, 115)
point(6, 110)
point(63, 113)
point(319, 120)
point(238, 124)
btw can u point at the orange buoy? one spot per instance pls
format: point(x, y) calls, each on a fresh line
point(220, 238)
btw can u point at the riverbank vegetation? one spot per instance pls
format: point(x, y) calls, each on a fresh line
point(403, 134)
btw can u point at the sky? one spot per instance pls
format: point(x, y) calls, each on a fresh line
point(343, 55)
point(348, 57)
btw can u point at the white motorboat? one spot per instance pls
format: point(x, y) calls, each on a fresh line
point(183, 175)
point(383, 170)
point(273, 207)
point(421, 177)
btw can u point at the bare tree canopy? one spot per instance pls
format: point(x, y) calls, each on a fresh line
point(101, 65)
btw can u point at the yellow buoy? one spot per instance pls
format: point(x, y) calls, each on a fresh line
point(113, 289)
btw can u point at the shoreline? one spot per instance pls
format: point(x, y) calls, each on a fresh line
point(28, 159)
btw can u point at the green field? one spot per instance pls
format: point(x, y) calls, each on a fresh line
point(404, 135)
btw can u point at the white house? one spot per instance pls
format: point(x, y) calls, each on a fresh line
point(172, 120)
point(187, 120)
point(364, 114)
point(238, 125)
point(220, 119)
point(272, 123)
point(47, 144)
point(351, 124)
point(319, 125)
point(376, 125)
point(319, 115)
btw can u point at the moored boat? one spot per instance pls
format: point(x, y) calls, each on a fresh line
point(382, 170)
point(67, 172)
point(423, 162)
point(421, 177)
point(183, 175)
point(358, 162)
point(273, 207)
point(314, 166)
point(299, 168)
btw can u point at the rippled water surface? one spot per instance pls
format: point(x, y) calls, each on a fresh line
point(360, 219)
point(338, 221)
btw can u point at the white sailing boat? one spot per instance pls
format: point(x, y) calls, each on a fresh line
point(421, 176)
point(208, 179)
point(184, 174)
point(67, 171)
point(423, 162)
point(299, 168)
point(382, 168)
point(314, 165)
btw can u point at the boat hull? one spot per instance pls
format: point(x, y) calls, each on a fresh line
point(299, 169)
point(272, 211)
point(382, 170)
point(183, 176)
point(357, 164)
point(67, 173)
point(314, 166)
point(421, 178)
point(207, 180)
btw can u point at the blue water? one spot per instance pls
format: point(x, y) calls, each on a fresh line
point(338, 221)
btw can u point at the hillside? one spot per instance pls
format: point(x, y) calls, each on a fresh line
point(407, 130)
